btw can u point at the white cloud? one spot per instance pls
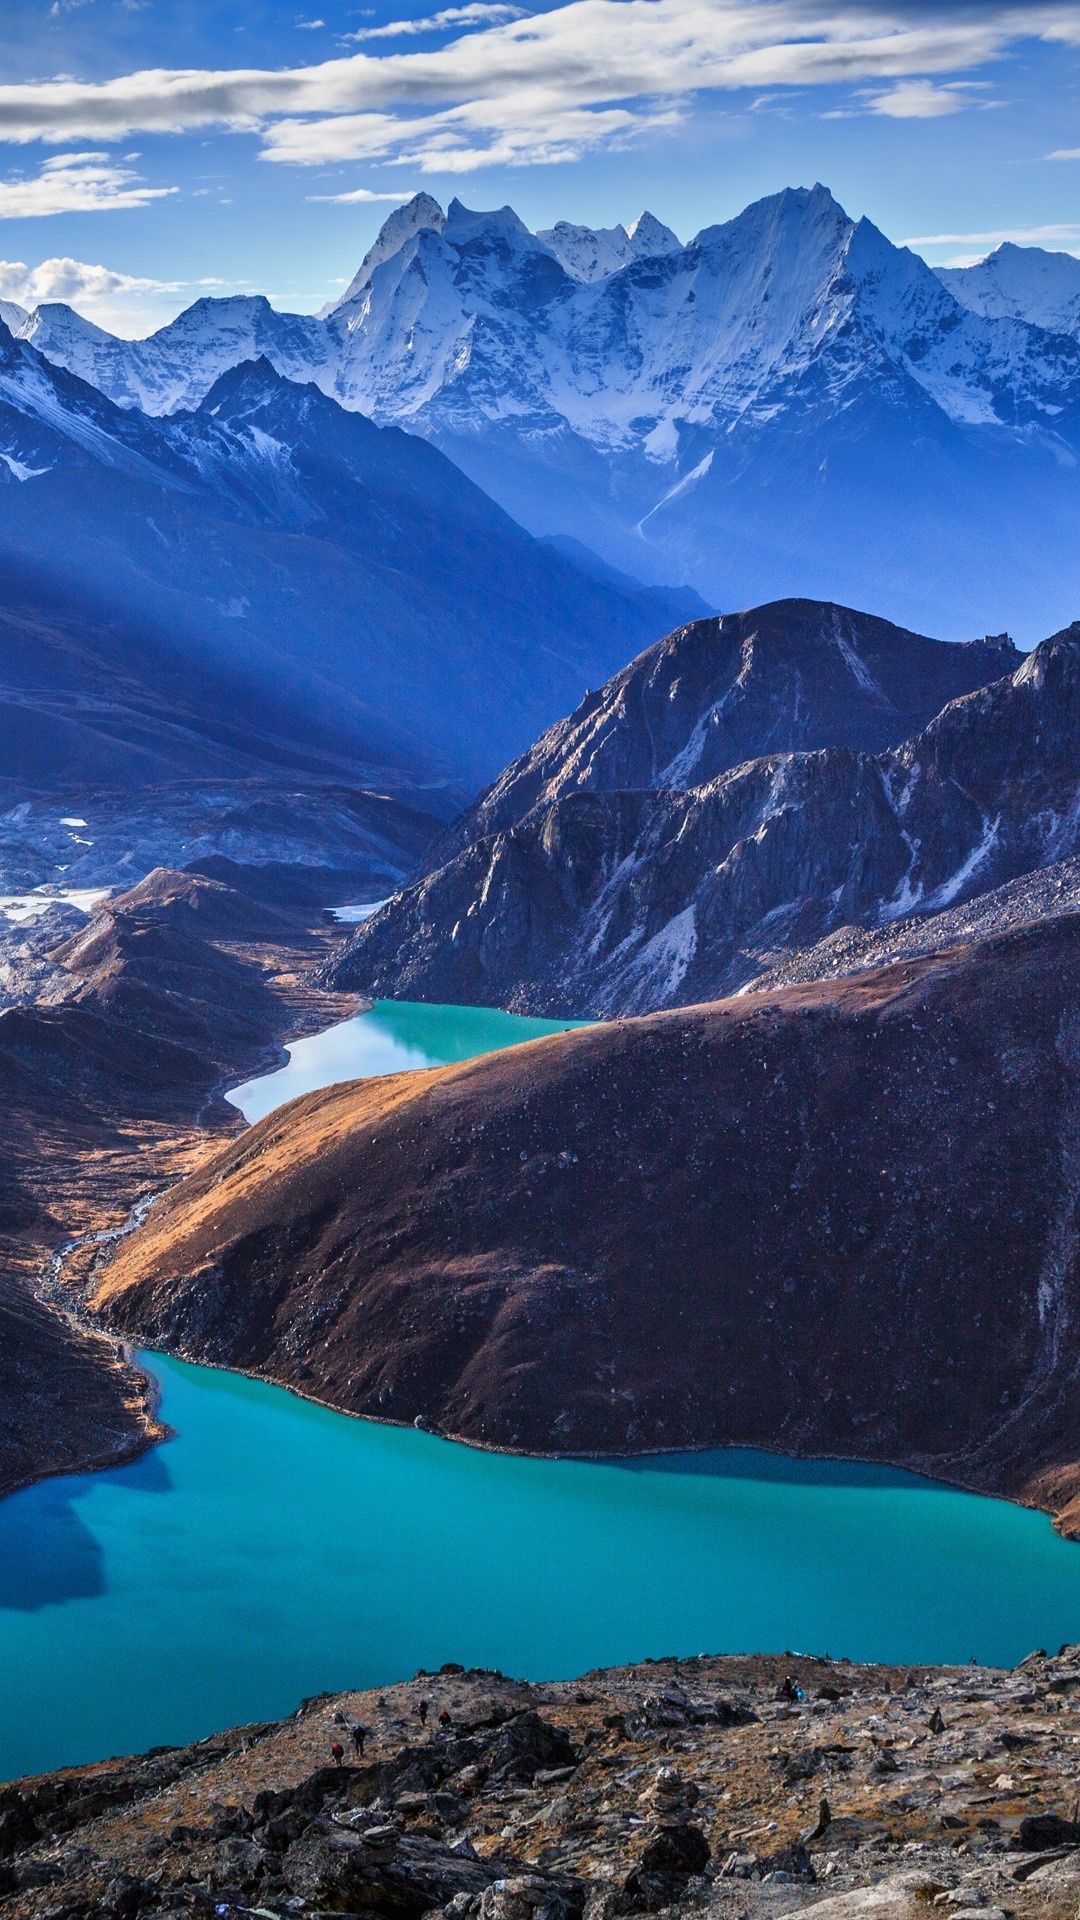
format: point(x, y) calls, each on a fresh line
point(124, 303)
point(1064, 237)
point(1065, 153)
point(478, 13)
point(359, 197)
point(920, 100)
point(75, 281)
point(551, 86)
point(310, 26)
point(76, 183)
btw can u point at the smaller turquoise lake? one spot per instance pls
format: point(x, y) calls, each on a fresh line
point(274, 1549)
point(394, 1036)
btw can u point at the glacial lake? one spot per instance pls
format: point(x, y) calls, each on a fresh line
point(273, 1549)
point(394, 1036)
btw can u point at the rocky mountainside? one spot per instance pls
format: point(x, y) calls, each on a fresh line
point(690, 1787)
point(317, 589)
point(787, 403)
point(110, 1054)
point(778, 1221)
point(784, 678)
point(1021, 283)
point(607, 902)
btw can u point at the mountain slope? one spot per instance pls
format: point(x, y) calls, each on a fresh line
point(345, 574)
point(780, 1221)
point(788, 404)
point(784, 678)
point(618, 902)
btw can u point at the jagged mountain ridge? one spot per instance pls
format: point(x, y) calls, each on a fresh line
point(344, 574)
point(617, 902)
point(789, 403)
point(784, 678)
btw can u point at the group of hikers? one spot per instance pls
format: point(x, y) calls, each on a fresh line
point(358, 1733)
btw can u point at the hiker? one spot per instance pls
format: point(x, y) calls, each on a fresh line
point(422, 1710)
point(338, 1752)
point(445, 1720)
point(788, 1689)
point(359, 1735)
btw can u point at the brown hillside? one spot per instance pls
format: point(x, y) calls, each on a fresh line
point(837, 1219)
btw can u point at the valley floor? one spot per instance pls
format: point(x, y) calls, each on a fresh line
point(676, 1786)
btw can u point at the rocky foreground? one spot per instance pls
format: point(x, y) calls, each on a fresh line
point(674, 1786)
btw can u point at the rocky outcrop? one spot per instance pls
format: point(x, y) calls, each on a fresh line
point(850, 1792)
point(839, 1219)
point(609, 902)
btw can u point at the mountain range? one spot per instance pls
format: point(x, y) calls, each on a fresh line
point(270, 582)
point(658, 849)
point(788, 403)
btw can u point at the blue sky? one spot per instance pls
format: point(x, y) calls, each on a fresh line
point(153, 150)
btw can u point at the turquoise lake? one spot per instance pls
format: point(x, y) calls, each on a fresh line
point(394, 1036)
point(274, 1549)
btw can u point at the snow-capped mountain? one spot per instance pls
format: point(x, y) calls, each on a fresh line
point(349, 577)
point(176, 367)
point(786, 404)
point(1021, 283)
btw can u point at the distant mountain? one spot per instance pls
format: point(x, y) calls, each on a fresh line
point(175, 368)
point(591, 253)
point(783, 678)
point(1021, 283)
point(788, 404)
point(621, 901)
point(316, 587)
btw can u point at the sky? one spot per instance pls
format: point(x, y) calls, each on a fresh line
point(155, 151)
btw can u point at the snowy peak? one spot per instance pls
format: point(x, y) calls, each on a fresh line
point(582, 883)
point(420, 214)
point(649, 237)
point(592, 253)
point(1020, 283)
point(15, 318)
point(587, 253)
point(464, 225)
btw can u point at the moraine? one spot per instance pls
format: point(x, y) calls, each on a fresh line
point(273, 1548)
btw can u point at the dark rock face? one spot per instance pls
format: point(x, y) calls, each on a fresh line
point(784, 678)
point(1040, 1830)
point(399, 1875)
point(840, 1219)
point(611, 902)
